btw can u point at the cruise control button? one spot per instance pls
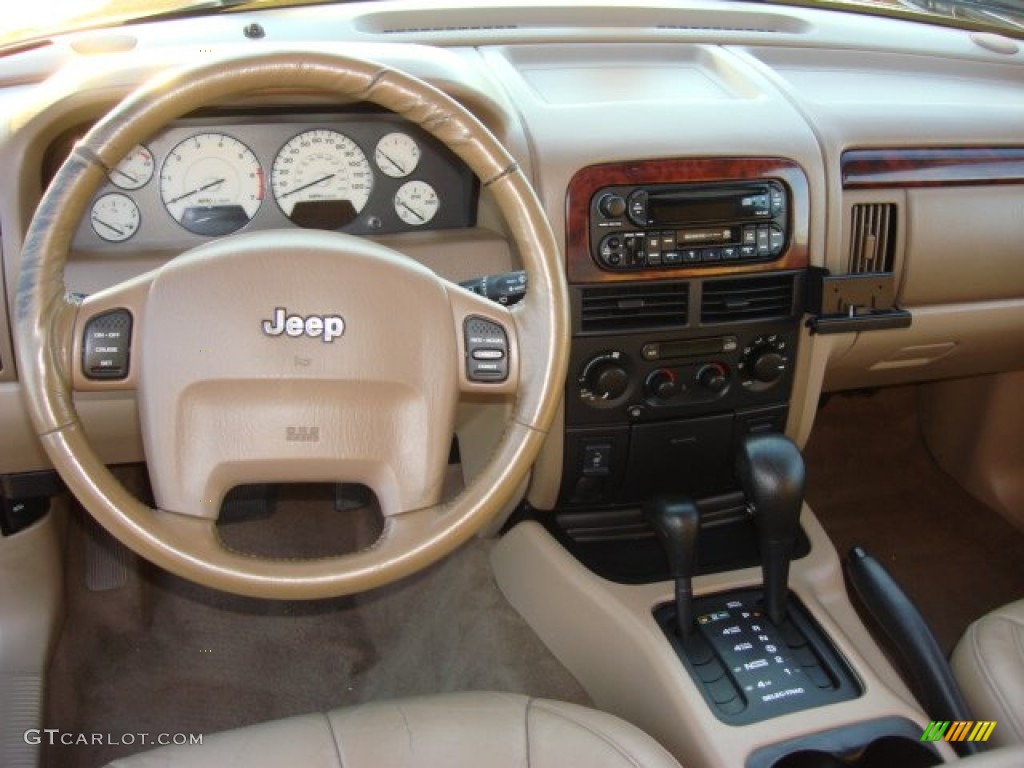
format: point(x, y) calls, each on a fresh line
point(486, 350)
point(488, 354)
point(106, 343)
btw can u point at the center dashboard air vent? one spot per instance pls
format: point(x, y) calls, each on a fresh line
point(634, 307)
point(748, 298)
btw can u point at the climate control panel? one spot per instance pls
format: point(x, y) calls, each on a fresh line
point(635, 379)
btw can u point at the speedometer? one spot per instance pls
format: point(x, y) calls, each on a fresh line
point(211, 184)
point(321, 179)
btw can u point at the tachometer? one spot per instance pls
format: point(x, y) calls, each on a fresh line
point(212, 184)
point(321, 179)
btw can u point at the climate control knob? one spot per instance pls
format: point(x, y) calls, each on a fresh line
point(604, 379)
point(662, 384)
point(764, 362)
point(713, 377)
point(768, 367)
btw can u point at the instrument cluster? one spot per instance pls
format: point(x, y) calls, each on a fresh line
point(209, 177)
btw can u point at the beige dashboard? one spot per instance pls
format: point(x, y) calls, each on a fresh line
point(567, 87)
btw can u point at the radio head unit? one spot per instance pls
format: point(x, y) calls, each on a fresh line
point(688, 225)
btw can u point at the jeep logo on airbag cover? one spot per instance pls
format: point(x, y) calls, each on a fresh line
point(324, 327)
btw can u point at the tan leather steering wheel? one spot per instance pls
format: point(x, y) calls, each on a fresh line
point(223, 402)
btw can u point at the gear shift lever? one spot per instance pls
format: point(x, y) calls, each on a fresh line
point(771, 471)
point(677, 522)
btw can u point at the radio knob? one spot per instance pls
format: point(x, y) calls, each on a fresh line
point(768, 366)
point(713, 377)
point(607, 380)
point(612, 206)
point(662, 384)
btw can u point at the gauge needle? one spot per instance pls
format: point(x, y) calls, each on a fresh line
point(197, 191)
point(413, 212)
point(400, 169)
point(307, 186)
point(111, 227)
point(128, 176)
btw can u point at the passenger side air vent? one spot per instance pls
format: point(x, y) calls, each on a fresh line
point(748, 298)
point(634, 307)
point(872, 238)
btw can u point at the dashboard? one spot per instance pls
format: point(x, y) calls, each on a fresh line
point(212, 176)
point(754, 205)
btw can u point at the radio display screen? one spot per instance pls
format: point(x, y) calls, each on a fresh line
point(698, 208)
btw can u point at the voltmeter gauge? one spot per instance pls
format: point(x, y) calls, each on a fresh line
point(115, 217)
point(416, 203)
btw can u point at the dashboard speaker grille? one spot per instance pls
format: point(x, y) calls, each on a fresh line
point(872, 238)
point(748, 298)
point(634, 307)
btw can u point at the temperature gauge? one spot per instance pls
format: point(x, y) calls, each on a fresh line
point(115, 217)
point(135, 170)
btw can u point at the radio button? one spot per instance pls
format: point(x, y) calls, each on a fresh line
point(763, 241)
point(776, 240)
point(711, 254)
point(654, 259)
point(730, 253)
point(672, 257)
point(668, 241)
point(749, 235)
point(691, 256)
point(778, 200)
point(748, 252)
point(638, 208)
point(654, 245)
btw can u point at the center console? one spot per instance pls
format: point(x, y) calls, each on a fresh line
point(707, 604)
point(686, 281)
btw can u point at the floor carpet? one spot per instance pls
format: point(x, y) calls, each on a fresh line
point(160, 655)
point(872, 482)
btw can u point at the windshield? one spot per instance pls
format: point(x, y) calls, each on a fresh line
point(26, 20)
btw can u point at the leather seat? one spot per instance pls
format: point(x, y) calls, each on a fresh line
point(989, 665)
point(459, 730)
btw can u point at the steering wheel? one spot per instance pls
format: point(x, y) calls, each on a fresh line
point(360, 386)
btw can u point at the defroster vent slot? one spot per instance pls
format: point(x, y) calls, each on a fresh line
point(748, 298)
point(634, 307)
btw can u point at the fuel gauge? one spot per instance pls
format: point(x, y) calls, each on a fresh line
point(115, 217)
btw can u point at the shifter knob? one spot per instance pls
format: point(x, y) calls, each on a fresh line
point(676, 521)
point(771, 470)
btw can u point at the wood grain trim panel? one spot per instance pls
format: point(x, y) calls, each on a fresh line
point(581, 268)
point(882, 168)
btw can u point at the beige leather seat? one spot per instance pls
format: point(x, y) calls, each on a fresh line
point(989, 664)
point(459, 730)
